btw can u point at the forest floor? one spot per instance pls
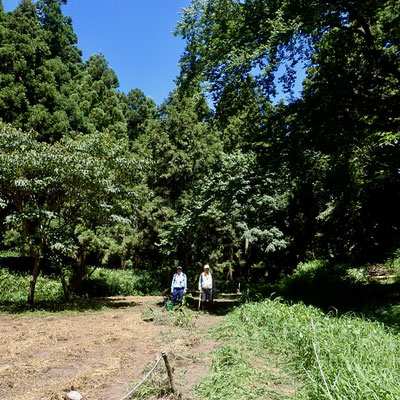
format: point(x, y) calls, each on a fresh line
point(101, 354)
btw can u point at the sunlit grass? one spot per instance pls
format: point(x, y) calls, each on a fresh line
point(358, 358)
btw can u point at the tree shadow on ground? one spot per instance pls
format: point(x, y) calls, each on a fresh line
point(77, 305)
point(223, 303)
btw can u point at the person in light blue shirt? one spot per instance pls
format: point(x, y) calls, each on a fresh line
point(178, 286)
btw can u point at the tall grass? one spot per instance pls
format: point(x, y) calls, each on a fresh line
point(358, 358)
point(240, 374)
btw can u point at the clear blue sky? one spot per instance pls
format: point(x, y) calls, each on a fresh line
point(135, 37)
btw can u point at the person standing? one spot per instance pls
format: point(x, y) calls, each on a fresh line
point(178, 286)
point(207, 288)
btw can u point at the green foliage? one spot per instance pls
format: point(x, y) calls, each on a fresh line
point(45, 85)
point(231, 213)
point(180, 144)
point(388, 314)
point(8, 253)
point(227, 39)
point(93, 94)
point(14, 288)
point(139, 111)
point(102, 283)
point(393, 263)
point(252, 187)
point(39, 62)
point(370, 290)
point(59, 32)
point(338, 141)
point(352, 351)
point(52, 189)
point(237, 373)
point(185, 318)
point(106, 282)
point(324, 285)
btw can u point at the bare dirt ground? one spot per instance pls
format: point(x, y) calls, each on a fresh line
point(102, 355)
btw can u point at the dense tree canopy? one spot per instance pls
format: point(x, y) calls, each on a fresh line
point(341, 136)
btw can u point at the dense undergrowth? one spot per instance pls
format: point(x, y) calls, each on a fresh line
point(372, 290)
point(333, 332)
point(49, 292)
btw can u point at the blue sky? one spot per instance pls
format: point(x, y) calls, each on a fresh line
point(135, 37)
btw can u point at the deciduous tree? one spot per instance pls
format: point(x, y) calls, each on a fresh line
point(51, 188)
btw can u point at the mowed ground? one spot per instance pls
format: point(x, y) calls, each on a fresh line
point(102, 355)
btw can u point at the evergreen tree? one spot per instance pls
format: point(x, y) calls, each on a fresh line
point(98, 101)
point(22, 52)
point(139, 110)
point(181, 144)
point(35, 89)
point(59, 34)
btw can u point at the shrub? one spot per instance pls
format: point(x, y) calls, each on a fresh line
point(14, 287)
point(106, 282)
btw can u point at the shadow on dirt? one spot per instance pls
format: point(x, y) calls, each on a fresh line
point(223, 303)
point(78, 305)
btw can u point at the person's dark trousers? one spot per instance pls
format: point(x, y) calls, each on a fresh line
point(207, 294)
point(177, 295)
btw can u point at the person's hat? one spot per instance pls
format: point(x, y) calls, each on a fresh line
point(178, 267)
point(206, 266)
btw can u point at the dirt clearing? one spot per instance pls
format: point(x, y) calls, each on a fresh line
point(102, 355)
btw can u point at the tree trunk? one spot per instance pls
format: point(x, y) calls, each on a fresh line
point(230, 272)
point(37, 256)
point(64, 283)
point(80, 269)
point(35, 274)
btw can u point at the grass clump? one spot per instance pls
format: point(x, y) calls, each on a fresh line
point(238, 372)
point(358, 357)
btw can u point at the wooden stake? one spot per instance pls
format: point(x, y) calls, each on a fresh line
point(169, 372)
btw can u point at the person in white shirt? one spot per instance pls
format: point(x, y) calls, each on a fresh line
point(206, 287)
point(178, 286)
